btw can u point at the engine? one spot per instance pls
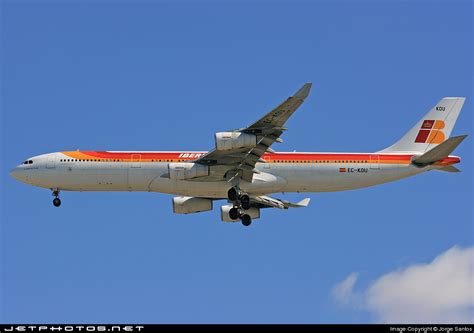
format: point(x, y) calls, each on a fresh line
point(188, 205)
point(234, 140)
point(181, 171)
point(253, 212)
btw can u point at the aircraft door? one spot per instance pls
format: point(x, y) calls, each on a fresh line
point(136, 161)
point(50, 162)
point(137, 176)
point(374, 161)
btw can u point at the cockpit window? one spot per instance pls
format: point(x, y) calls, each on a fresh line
point(28, 162)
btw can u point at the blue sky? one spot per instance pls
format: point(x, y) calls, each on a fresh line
point(162, 76)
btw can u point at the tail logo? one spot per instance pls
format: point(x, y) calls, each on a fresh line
point(431, 132)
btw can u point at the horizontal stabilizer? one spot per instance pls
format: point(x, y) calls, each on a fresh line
point(440, 151)
point(448, 168)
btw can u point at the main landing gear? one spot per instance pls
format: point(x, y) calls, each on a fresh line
point(246, 220)
point(56, 200)
point(241, 202)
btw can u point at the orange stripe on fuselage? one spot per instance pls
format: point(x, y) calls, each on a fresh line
point(334, 158)
point(127, 156)
point(269, 157)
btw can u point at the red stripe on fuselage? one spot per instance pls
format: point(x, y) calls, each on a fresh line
point(266, 156)
point(269, 157)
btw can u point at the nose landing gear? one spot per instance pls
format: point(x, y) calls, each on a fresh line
point(56, 200)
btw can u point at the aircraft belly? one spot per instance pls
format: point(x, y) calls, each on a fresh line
point(329, 178)
point(290, 178)
point(98, 177)
point(271, 178)
point(203, 189)
point(70, 177)
point(262, 184)
point(141, 179)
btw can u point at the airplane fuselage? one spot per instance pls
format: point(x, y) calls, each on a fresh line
point(281, 172)
point(243, 169)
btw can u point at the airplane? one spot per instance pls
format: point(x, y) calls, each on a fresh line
point(244, 170)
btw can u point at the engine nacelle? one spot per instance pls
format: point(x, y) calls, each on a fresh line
point(189, 205)
point(253, 212)
point(234, 140)
point(181, 171)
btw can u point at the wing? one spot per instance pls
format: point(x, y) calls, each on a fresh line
point(239, 160)
point(264, 201)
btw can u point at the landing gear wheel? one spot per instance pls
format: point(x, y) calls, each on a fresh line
point(245, 202)
point(233, 194)
point(246, 220)
point(56, 202)
point(234, 213)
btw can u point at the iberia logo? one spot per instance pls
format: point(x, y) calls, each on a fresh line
point(431, 132)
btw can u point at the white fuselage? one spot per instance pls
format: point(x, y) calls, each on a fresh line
point(148, 171)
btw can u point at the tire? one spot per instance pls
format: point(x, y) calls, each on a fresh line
point(56, 202)
point(246, 220)
point(245, 202)
point(234, 213)
point(232, 194)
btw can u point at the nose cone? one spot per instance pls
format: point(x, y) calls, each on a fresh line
point(19, 174)
point(14, 173)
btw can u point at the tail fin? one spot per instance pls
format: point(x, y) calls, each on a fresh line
point(432, 129)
